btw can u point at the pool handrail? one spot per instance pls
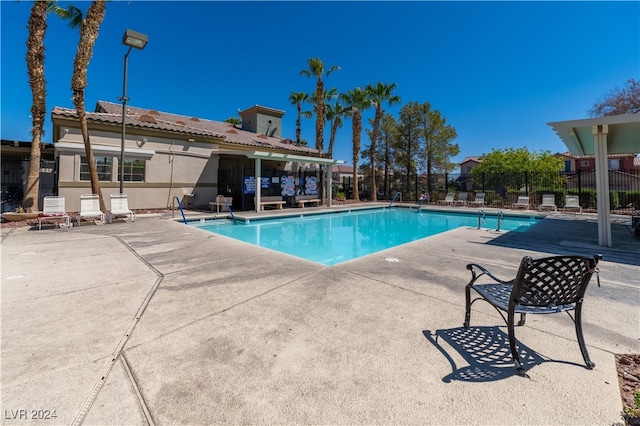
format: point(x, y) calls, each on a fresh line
point(228, 207)
point(482, 214)
point(396, 196)
point(181, 210)
point(500, 219)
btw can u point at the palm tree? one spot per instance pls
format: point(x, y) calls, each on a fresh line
point(35, 67)
point(377, 95)
point(88, 35)
point(359, 100)
point(297, 98)
point(334, 116)
point(316, 69)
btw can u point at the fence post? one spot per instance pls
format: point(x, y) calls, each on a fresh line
point(446, 182)
point(526, 182)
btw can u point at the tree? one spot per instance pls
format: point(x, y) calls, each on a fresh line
point(358, 99)
point(233, 120)
point(438, 139)
point(388, 136)
point(35, 69)
point(408, 143)
point(334, 116)
point(88, 35)
point(316, 69)
point(297, 98)
point(378, 94)
point(511, 168)
point(618, 101)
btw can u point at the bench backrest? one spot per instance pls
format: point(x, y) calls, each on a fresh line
point(53, 204)
point(307, 197)
point(89, 203)
point(268, 198)
point(552, 281)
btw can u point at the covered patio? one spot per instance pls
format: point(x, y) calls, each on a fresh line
point(600, 137)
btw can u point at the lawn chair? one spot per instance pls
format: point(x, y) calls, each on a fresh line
point(548, 201)
point(479, 200)
point(120, 207)
point(90, 208)
point(543, 286)
point(461, 201)
point(448, 199)
point(572, 202)
point(523, 201)
point(53, 209)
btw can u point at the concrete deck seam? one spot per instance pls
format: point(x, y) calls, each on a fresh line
point(82, 414)
point(141, 401)
point(218, 312)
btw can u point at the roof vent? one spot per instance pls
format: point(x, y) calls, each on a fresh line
point(182, 123)
point(195, 119)
point(262, 136)
point(153, 112)
point(147, 118)
point(232, 131)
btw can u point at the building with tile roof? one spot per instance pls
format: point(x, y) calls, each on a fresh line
point(169, 155)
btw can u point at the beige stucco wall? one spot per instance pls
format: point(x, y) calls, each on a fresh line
point(173, 168)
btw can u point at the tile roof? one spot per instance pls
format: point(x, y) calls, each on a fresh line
point(108, 112)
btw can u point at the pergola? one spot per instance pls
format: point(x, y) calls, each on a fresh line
point(601, 136)
point(258, 156)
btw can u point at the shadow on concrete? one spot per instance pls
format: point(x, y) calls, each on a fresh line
point(576, 236)
point(487, 352)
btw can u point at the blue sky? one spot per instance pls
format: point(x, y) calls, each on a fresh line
point(498, 71)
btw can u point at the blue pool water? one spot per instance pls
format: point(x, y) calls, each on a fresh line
point(333, 238)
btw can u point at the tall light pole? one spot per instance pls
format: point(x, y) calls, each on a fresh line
point(139, 41)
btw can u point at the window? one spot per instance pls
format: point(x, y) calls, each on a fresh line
point(103, 167)
point(133, 170)
point(584, 163)
point(614, 164)
point(567, 165)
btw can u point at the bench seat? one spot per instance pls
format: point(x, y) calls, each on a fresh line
point(271, 200)
point(301, 200)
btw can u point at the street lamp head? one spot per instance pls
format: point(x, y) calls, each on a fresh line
point(134, 39)
point(350, 109)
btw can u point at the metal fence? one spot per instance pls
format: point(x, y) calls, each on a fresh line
point(503, 189)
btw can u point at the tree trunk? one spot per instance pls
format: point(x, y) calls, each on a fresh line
point(88, 36)
point(35, 66)
point(357, 130)
point(319, 114)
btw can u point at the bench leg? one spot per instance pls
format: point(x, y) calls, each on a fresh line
point(583, 347)
point(513, 344)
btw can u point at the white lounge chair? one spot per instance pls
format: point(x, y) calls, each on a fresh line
point(90, 208)
point(548, 202)
point(120, 207)
point(572, 202)
point(462, 199)
point(448, 199)
point(479, 200)
point(53, 209)
point(523, 201)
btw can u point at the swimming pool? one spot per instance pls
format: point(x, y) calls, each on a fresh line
point(334, 238)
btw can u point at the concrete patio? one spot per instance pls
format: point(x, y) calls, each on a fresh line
point(155, 322)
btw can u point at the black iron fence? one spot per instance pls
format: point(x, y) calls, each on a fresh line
point(503, 189)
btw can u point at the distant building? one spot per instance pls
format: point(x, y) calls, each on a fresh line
point(583, 163)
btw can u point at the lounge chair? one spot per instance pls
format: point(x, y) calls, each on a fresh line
point(90, 208)
point(548, 202)
point(523, 201)
point(462, 199)
point(448, 199)
point(479, 199)
point(53, 209)
point(544, 286)
point(120, 207)
point(572, 202)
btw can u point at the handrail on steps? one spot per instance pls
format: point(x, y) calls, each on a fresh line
point(500, 219)
point(483, 215)
point(396, 196)
point(226, 204)
point(181, 210)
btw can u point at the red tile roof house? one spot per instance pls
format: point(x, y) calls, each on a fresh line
point(169, 155)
